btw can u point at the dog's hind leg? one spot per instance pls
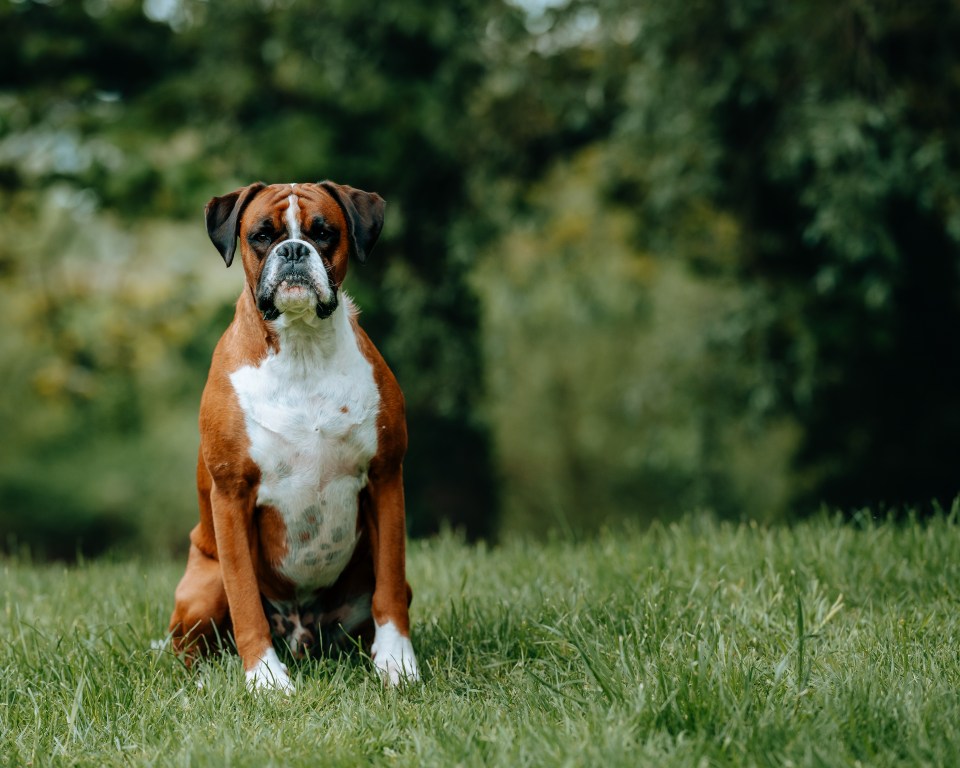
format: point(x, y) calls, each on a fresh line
point(200, 613)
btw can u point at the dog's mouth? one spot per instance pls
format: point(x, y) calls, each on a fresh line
point(296, 282)
point(296, 295)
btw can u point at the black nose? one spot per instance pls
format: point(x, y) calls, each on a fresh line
point(293, 251)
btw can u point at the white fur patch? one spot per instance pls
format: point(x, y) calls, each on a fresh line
point(292, 216)
point(270, 674)
point(311, 415)
point(393, 655)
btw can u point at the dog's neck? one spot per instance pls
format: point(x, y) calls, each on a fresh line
point(312, 340)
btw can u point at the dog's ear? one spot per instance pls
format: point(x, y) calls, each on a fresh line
point(223, 218)
point(364, 213)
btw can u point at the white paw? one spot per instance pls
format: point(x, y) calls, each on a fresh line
point(269, 674)
point(393, 655)
point(160, 644)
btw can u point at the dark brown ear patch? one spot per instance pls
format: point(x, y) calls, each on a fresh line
point(223, 218)
point(364, 214)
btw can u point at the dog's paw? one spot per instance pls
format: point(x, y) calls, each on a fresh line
point(160, 644)
point(270, 674)
point(393, 655)
point(393, 670)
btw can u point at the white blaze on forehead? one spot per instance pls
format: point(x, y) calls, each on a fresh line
point(293, 216)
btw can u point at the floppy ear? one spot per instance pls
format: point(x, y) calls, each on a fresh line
point(364, 212)
point(223, 218)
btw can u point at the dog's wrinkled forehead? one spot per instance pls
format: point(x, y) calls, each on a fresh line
point(293, 208)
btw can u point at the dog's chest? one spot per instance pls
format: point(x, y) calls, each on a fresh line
point(311, 416)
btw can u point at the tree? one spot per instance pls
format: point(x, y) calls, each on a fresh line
point(149, 118)
point(826, 131)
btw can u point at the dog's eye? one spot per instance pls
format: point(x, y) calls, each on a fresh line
point(322, 234)
point(264, 238)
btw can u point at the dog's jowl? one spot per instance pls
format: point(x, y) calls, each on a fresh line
point(301, 537)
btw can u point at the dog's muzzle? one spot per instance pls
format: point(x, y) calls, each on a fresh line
point(295, 280)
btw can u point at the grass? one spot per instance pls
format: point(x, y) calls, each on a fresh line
point(692, 645)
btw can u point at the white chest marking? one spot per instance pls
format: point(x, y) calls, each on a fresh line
point(311, 416)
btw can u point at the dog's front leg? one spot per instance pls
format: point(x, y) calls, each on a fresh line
point(233, 526)
point(392, 650)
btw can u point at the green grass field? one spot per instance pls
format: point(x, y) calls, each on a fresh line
point(695, 644)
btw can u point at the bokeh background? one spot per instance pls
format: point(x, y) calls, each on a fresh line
point(640, 258)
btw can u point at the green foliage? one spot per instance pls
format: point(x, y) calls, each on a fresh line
point(238, 91)
point(617, 380)
point(115, 329)
point(684, 255)
point(825, 132)
point(693, 643)
point(820, 137)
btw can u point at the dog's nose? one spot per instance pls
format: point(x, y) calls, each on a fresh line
point(293, 251)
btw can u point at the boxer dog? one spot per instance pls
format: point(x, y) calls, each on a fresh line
point(301, 538)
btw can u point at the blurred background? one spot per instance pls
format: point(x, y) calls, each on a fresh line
point(640, 257)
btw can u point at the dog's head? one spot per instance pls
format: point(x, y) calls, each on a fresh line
point(295, 241)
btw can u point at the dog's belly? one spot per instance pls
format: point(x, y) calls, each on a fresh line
point(313, 440)
point(316, 495)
